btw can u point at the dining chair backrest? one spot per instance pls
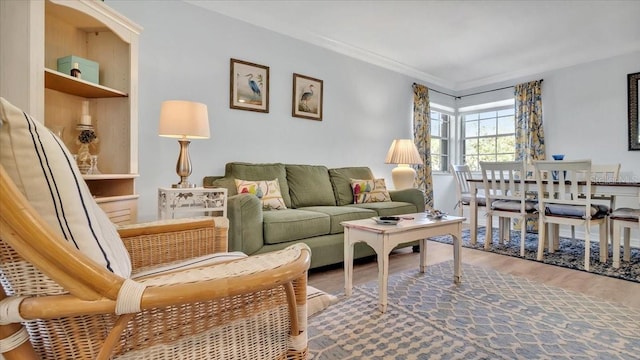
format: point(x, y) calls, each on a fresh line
point(500, 180)
point(461, 173)
point(566, 190)
point(605, 172)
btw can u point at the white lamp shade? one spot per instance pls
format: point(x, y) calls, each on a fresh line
point(184, 119)
point(403, 151)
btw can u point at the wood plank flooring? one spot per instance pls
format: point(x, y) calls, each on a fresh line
point(331, 279)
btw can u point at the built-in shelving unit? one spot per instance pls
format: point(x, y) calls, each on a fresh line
point(91, 30)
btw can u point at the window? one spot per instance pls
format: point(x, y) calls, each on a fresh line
point(440, 122)
point(488, 133)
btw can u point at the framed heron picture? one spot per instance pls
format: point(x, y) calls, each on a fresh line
point(307, 97)
point(249, 86)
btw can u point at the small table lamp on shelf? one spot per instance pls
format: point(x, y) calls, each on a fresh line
point(184, 120)
point(404, 153)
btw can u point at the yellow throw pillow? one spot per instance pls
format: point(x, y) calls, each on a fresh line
point(369, 191)
point(267, 191)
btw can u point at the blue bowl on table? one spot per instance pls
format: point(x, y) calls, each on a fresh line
point(554, 174)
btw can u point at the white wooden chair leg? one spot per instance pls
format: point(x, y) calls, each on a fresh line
point(587, 246)
point(616, 244)
point(541, 239)
point(523, 235)
point(604, 243)
point(627, 244)
point(488, 237)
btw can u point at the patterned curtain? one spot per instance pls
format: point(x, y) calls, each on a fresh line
point(529, 131)
point(422, 139)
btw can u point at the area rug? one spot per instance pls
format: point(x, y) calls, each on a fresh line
point(491, 315)
point(570, 255)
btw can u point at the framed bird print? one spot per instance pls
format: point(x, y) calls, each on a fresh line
point(249, 89)
point(307, 97)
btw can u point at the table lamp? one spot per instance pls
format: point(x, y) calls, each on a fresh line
point(404, 153)
point(184, 120)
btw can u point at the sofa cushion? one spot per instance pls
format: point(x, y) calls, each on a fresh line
point(368, 191)
point(267, 191)
point(388, 208)
point(293, 224)
point(341, 182)
point(46, 174)
point(249, 171)
point(338, 214)
point(309, 185)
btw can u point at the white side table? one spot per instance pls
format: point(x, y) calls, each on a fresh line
point(178, 203)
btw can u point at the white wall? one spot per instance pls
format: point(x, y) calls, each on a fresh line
point(185, 52)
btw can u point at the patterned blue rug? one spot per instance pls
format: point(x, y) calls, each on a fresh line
point(570, 255)
point(491, 315)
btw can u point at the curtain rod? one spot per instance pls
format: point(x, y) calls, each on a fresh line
point(477, 93)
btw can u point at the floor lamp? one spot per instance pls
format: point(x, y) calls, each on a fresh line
point(404, 153)
point(184, 120)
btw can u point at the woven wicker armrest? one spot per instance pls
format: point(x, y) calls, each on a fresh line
point(161, 242)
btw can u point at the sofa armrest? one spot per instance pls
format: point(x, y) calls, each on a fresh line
point(245, 218)
point(413, 196)
point(166, 241)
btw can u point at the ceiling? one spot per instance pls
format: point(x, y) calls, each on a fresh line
point(457, 45)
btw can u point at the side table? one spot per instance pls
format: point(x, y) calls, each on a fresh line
point(176, 203)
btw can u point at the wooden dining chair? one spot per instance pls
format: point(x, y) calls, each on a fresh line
point(559, 203)
point(76, 287)
point(462, 173)
point(623, 220)
point(603, 173)
point(505, 200)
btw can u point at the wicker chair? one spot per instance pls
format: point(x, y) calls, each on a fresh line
point(244, 309)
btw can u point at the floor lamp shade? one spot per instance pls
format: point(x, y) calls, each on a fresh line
point(404, 153)
point(184, 120)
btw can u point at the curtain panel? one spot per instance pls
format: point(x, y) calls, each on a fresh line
point(529, 132)
point(422, 139)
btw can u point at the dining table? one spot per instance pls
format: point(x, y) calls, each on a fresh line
point(608, 188)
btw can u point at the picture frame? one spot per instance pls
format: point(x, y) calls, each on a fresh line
point(307, 97)
point(249, 86)
point(633, 104)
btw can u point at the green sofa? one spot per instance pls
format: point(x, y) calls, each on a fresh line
point(318, 199)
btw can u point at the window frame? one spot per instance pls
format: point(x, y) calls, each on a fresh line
point(446, 155)
point(496, 106)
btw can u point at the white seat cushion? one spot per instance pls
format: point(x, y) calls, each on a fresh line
point(201, 261)
point(46, 174)
point(626, 214)
point(513, 205)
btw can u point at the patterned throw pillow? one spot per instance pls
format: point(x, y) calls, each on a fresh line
point(369, 191)
point(267, 191)
point(46, 174)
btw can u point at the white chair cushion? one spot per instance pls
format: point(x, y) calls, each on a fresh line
point(597, 211)
point(45, 172)
point(513, 205)
point(626, 213)
point(480, 200)
point(318, 300)
point(202, 261)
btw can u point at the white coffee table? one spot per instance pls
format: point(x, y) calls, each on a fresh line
point(383, 238)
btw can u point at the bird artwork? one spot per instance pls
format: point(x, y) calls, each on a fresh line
point(255, 88)
point(304, 100)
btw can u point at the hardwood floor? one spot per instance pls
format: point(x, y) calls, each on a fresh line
point(331, 279)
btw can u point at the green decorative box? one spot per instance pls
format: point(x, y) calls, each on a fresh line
point(89, 70)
